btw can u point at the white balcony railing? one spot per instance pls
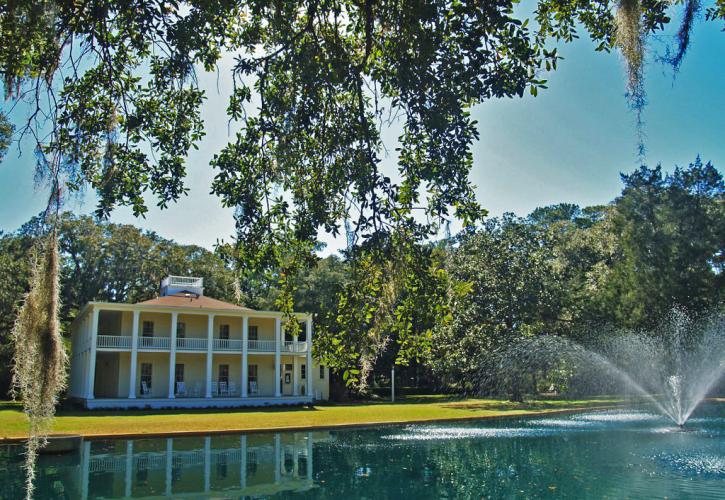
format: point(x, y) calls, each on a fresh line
point(113, 342)
point(191, 344)
point(291, 346)
point(153, 342)
point(260, 345)
point(227, 345)
point(197, 344)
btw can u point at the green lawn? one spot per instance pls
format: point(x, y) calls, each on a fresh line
point(414, 409)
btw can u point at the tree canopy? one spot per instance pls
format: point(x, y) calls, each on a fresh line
point(113, 103)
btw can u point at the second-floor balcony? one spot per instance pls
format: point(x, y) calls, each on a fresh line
point(191, 344)
point(196, 344)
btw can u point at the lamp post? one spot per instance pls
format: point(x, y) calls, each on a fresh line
point(392, 385)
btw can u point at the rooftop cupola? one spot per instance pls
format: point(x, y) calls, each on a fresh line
point(172, 285)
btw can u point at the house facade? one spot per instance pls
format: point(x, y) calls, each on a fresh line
point(186, 350)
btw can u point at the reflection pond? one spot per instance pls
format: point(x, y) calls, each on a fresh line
point(620, 454)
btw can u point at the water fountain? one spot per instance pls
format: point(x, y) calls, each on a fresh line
point(671, 368)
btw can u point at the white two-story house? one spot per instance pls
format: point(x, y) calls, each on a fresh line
point(185, 350)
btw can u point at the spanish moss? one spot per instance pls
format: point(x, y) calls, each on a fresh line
point(692, 8)
point(631, 42)
point(39, 371)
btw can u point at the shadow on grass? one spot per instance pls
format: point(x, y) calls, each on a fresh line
point(186, 411)
point(533, 405)
point(67, 412)
point(10, 405)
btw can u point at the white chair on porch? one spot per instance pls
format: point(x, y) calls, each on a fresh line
point(181, 389)
point(253, 387)
point(223, 389)
point(197, 390)
point(145, 389)
point(232, 388)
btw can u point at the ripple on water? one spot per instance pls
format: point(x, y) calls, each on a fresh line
point(701, 464)
point(415, 433)
point(560, 422)
point(606, 416)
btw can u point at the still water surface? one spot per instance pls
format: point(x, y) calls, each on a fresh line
point(623, 454)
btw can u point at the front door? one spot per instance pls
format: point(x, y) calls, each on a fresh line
point(287, 376)
point(223, 379)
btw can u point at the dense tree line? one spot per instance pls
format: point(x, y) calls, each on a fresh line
point(561, 270)
point(99, 261)
point(579, 273)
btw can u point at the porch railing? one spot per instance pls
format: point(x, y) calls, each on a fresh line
point(290, 346)
point(153, 342)
point(260, 345)
point(197, 344)
point(227, 345)
point(113, 342)
point(191, 344)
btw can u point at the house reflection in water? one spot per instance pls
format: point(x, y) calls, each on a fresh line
point(247, 465)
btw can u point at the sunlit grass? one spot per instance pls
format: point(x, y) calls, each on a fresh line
point(13, 423)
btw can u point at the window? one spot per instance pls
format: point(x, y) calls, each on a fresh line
point(253, 333)
point(289, 462)
point(303, 371)
point(148, 328)
point(224, 332)
point(146, 377)
point(303, 332)
point(180, 330)
point(302, 337)
point(288, 367)
point(322, 372)
point(224, 373)
point(221, 465)
point(179, 378)
point(252, 378)
point(142, 471)
point(252, 461)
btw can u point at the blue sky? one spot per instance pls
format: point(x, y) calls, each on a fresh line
point(566, 145)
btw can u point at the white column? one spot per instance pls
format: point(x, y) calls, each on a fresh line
point(243, 463)
point(207, 463)
point(209, 353)
point(129, 468)
point(172, 355)
point(295, 376)
point(94, 341)
point(310, 372)
point(169, 463)
point(277, 356)
point(85, 468)
point(84, 380)
point(309, 456)
point(245, 355)
point(134, 356)
point(277, 461)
